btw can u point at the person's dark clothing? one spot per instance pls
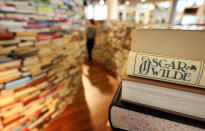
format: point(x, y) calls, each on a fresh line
point(90, 41)
point(90, 44)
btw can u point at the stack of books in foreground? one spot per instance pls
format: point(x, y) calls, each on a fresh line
point(163, 84)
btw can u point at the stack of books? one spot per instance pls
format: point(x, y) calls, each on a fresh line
point(112, 46)
point(163, 83)
point(40, 63)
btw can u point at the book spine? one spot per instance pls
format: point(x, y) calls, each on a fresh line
point(169, 69)
point(113, 105)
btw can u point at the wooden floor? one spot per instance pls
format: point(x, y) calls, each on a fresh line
point(89, 111)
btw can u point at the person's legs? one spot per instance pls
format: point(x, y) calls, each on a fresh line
point(90, 55)
point(90, 43)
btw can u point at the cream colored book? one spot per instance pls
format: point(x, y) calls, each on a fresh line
point(14, 107)
point(20, 94)
point(30, 60)
point(13, 110)
point(45, 52)
point(7, 50)
point(165, 68)
point(34, 94)
point(43, 43)
point(9, 42)
point(175, 41)
point(10, 64)
point(28, 38)
point(9, 75)
point(27, 43)
point(9, 72)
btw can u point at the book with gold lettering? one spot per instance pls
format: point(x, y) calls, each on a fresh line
point(165, 68)
point(164, 54)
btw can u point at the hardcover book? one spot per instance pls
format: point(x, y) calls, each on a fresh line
point(172, 98)
point(165, 68)
point(128, 116)
point(170, 41)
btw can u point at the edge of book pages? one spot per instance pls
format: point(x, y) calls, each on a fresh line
point(164, 110)
point(162, 84)
point(157, 113)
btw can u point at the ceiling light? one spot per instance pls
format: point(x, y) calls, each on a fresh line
point(143, 0)
point(127, 2)
point(102, 2)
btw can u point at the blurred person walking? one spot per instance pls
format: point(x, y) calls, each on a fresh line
point(90, 33)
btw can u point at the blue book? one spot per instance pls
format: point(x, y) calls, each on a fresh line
point(19, 128)
point(18, 82)
point(5, 59)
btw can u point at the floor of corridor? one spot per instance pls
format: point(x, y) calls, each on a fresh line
point(89, 110)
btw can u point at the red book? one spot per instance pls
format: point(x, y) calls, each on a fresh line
point(6, 36)
point(42, 37)
point(38, 81)
point(15, 119)
point(25, 129)
point(30, 100)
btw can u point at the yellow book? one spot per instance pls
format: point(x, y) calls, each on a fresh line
point(26, 33)
point(4, 100)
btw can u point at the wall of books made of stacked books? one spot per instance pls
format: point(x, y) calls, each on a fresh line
point(112, 45)
point(40, 56)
